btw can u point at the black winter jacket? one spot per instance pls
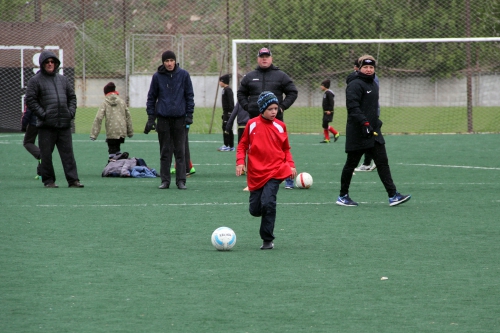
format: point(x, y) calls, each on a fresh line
point(227, 103)
point(362, 105)
point(50, 96)
point(266, 79)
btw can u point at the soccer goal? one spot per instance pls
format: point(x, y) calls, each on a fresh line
point(435, 85)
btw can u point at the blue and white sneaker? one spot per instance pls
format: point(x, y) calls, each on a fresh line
point(223, 148)
point(289, 184)
point(346, 201)
point(398, 199)
point(232, 149)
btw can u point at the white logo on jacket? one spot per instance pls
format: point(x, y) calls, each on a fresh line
point(278, 127)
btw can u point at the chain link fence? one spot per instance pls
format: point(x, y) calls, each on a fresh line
point(425, 87)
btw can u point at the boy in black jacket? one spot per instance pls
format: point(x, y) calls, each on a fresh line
point(28, 125)
point(227, 108)
point(328, 105)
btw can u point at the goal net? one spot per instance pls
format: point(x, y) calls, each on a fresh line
point(426, 85)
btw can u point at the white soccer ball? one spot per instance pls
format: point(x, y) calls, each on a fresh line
point(304, 180)
point(223, 238)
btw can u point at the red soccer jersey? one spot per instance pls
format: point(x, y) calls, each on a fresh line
point(266, 144)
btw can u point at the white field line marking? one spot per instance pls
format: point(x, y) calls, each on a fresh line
point(128, 141)
point(194, 204)
point(143, 141)
point(450, 166)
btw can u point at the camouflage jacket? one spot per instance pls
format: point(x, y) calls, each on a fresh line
point(118, 120)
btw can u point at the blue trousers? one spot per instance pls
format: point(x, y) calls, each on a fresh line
point(263, 204)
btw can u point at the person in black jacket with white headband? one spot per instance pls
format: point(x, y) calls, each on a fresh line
point(364, 135)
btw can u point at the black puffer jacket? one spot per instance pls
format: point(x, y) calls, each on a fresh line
point(266, 79)
point(362, 105)
point(50, 96)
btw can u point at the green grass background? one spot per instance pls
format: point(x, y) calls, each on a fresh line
point(122, 256)
point(417, 120)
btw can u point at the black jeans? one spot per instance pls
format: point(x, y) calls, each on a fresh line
point(187, 153)
point(48, 138)
point(172, 139)
point(227, 137)
point(379, 155)
point(29, 141)
point(114, 145)
point(263, 204)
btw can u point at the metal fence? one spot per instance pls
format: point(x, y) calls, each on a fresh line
point(120, 40)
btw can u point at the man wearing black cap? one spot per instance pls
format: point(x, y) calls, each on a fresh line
point(170, 104)
point(227, 109)
point(267, 77)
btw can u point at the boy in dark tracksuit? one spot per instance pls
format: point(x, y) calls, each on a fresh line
point(328, 105)
point(227, 109)
point(28, 125)
point(243, 117)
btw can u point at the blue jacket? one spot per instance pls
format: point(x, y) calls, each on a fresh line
point(170, 93)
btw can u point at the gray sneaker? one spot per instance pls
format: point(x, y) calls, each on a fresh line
point(363, 167)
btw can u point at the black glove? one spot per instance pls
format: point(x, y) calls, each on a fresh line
point(151, 124)
point(189, 119)
point(23, 128)
point(367, 130)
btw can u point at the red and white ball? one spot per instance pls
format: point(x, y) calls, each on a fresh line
point(303, 180)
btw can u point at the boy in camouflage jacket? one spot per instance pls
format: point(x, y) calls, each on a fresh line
point(118, 120)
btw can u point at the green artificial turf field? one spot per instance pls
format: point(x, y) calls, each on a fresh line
point(419, 120)
point(122, 256)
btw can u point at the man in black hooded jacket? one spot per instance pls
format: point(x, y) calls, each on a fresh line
point(52, 99)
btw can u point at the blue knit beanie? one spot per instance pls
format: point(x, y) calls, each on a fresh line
point(266, 98)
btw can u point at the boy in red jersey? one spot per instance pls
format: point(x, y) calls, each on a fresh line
point(265, 144)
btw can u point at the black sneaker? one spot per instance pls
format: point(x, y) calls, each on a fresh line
point(181, 186)
point(164, 186)
point(76, 184)
point(51, 185)
point(267, 246)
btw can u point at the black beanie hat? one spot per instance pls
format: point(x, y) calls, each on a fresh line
point(225, 78)
point(168, 55)
point(110, 87)
point(326, 83)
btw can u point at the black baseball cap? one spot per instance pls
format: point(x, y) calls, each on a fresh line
point(264, 51)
